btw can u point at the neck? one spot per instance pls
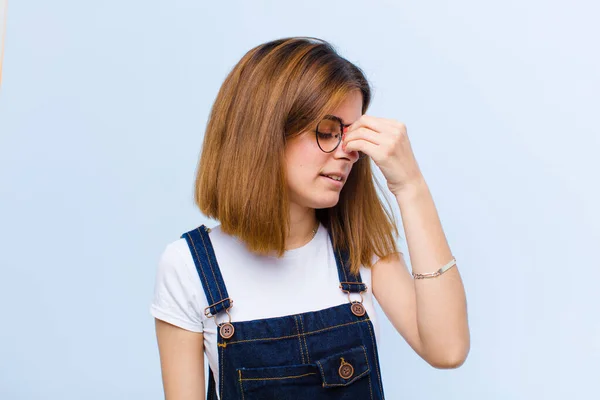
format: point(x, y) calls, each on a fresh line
point(303, 222)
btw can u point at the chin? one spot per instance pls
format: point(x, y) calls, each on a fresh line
point(315, 197)
point(326, 201)
point(323, 201)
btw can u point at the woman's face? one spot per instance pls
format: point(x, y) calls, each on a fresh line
point(307, 166)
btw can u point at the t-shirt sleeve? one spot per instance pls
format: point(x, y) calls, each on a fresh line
point(375, 259)
point(178, 294)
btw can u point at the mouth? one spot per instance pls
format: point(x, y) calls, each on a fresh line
point(337, 180)
point(333, 177)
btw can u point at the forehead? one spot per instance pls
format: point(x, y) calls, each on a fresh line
point(350, 109)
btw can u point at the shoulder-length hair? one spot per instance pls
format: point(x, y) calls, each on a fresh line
point(278, 90)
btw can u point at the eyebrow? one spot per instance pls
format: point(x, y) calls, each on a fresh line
point(331, 115)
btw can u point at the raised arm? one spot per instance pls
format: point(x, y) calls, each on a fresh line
point(431, 314)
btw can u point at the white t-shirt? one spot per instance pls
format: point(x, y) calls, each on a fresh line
point(304, 279)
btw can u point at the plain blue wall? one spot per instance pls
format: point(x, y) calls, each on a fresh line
point(102, 111)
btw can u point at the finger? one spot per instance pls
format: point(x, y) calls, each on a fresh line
point(364, 134)
point(365, 146)
point(377, 124)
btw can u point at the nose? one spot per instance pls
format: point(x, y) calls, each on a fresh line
point(340, 153)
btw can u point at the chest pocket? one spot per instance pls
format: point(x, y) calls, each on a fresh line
point(342, 375)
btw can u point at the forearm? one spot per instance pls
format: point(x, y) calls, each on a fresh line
point(441, 303)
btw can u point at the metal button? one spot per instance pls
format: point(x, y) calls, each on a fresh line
point(358, 309)
point(346, 370)
point(227, 330)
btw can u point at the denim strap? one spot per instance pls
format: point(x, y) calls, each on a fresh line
point(348, 282)
point(208, 269)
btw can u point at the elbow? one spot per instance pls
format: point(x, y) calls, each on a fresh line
point(449, 358)
point(448, 363)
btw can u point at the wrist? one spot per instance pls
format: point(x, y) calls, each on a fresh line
point(411, 189)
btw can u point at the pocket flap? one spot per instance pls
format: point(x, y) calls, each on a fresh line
point(344, 368)
point(284, 379)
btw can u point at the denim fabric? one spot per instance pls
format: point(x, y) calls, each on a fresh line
point(295, 356)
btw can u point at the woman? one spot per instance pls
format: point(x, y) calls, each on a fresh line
point(304, 242)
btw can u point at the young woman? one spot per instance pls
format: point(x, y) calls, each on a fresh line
point(279, 295)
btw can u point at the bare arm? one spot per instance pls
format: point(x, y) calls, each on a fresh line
point(430, 314)
point(182, 362)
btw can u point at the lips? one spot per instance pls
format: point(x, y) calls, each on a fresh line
point(333, 177)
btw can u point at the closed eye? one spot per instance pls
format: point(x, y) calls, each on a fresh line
point(328, 135)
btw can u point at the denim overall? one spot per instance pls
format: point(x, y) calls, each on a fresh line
point(321, 355)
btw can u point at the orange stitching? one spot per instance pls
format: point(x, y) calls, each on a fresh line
point(222, 367)
point(292, 336)
point(241, 386)
point(370, 383)
point(343, 264)
point(304, 338)
point(370, 386)
point(210, 264)
point(355, 378)
point(299, 339)
point(349, 382)
point(344, 270)
point(376, 364)
point(279, 378)
point(322, 372)
point(201, 269)
point(365, 351)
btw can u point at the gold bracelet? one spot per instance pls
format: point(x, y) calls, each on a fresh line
point(436, 273)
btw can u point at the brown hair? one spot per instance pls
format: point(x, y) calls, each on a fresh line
point(276, 91)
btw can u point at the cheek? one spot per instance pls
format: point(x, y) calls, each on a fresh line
point(302, 160)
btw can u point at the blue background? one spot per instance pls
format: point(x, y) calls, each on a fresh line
point(102, 110)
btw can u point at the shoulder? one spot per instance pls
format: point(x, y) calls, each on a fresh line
point(175, 261)
point(177, 257)
point(178, 295)
point(180, 247)
point(174, 253)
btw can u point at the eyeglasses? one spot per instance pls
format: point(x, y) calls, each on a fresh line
point(329, 134)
